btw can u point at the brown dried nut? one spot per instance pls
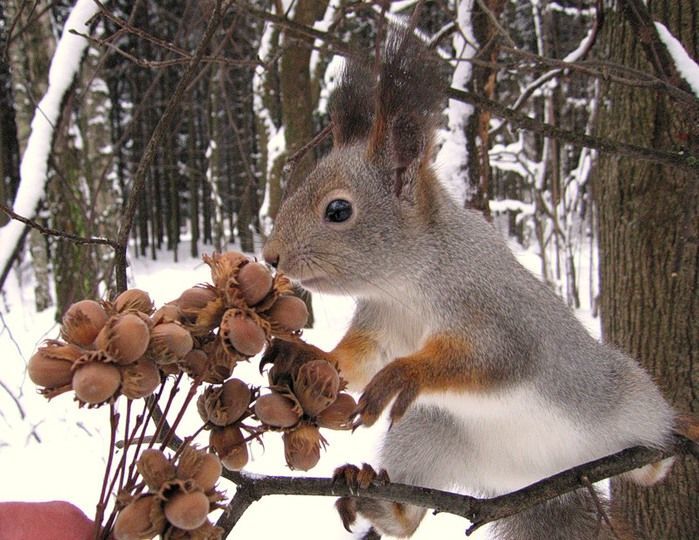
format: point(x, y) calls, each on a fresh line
point(51, 365)
point(224, 266)
point(142, 518)
point(220, 363)
point(166, 313)
point(316, 385)
point(169, 342)
point(195, 363)
point(202, 467)
point(207, 531)
point(124, 338)
point(155, 468)
point(338, 415)
point(230, 446)
point(139, 379)
point(277, 410)
point(134, 300)
point(254, 282)
point(82, 322)
point(187, 510)
point(241, 333)
point(289, 312)
point(196, 298)
point(302, 447)
point(223, 405)
point(95, 382)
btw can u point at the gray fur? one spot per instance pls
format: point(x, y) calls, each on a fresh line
point(418, 264)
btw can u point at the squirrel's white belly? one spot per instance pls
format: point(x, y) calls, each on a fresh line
point(514, 438)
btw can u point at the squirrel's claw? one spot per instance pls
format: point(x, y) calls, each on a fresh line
point(360, 478)
point(347, 508)
point(394, 380)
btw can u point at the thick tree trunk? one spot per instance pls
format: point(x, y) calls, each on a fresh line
point(649, 268)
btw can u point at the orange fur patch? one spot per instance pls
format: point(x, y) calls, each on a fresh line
point(352, 353)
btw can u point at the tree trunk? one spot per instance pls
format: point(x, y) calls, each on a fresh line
point(648, 260)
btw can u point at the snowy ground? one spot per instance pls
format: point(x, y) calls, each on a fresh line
point(57, 451)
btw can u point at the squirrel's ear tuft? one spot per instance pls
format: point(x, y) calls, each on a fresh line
point(408, 97)
point(351, 104)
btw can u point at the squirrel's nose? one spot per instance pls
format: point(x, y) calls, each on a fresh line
point(270, 253)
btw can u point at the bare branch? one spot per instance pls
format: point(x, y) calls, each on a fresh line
point(477, 511)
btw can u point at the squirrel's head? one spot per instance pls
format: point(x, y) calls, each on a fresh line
point(348, 226)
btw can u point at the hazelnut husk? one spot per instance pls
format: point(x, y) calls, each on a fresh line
point(141, 518)
point(254, 282)
point(167, 313)
point(202, 467)
point(169, 342)
point(96, 382)
point(225, 404)
point(82, 322)
point(289, 312)
point(207, 531)
point(278, 410)
point(230, 446)
point(187, 511)
point(133, 300)
point(125, 337)
point(201, 308)
point(224, 266)
point(316, 385)
point(139, 379)
point(302, 447)
point(51, 365)
point(155, 468)
point(338, 415)
point(240, 333)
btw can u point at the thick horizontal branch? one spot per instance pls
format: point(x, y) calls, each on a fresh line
point(520, 120)
point(478, 511)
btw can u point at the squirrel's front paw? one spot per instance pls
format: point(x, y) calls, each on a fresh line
point(394, 380)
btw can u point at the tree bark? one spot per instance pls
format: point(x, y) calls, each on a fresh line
point(649, 269)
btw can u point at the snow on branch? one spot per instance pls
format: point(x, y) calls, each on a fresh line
point(33, 169)
point(686, 67)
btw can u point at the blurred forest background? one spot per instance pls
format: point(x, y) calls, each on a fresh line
point(570, 126)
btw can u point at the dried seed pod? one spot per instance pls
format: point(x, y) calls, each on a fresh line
point(51, 365)
point(239, 332)
point(125, 337)
point(83, 322)
point(134, 300)
point(220, 362)
point(254, 282)
point(207, 531)
point(187, 510)
point(142, 518)
point(230, 446)
point(223, 405)
point(278, 410)
point(289, 312)
point(155, 468)
point(316, 386)
point(139, 379)
point(338, 415)
point(169, 342)
point(302, 447)
point(202, 467)
point(95, 382)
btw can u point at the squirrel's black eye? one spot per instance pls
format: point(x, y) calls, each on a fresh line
point(338, 210)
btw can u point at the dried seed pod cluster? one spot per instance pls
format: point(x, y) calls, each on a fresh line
point(179, 498)
point(223, 408)
point(306, 394)
point(104, 351)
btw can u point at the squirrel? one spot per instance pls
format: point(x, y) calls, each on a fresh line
point(489, 380)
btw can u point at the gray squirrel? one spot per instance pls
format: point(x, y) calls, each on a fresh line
point(489, 380)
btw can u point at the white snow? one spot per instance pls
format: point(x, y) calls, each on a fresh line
point(64, 67)
point(686, 67)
